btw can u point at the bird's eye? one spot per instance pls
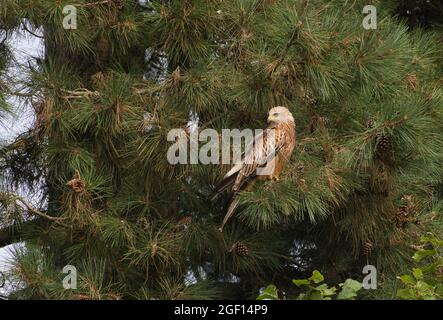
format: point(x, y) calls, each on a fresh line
point(275, 114)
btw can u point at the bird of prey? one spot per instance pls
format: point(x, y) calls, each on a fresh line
point(264, 157)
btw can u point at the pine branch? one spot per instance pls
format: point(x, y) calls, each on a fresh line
point(79, 94)
point(27, 206)
point(10, 235)
point(32, 33)
point(35, 211)
point(93, 4)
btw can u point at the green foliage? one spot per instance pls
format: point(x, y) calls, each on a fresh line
point(5, 56)
point(135, 226)
point(313, 289)
point(193, 24)
point(426, 281)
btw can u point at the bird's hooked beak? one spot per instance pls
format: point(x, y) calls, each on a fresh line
point(271, 119)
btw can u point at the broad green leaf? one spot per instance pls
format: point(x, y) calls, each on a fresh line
point(349, 289)
point(407, 280)
point(352, 284)
point(430, 238)
point(301, 282)
point(439, 291)
point(302, 296)
point(325, 290)
point(417, 273)
point(346, 294)
point(421, 254)
point(316, 295)
point(430, 268)
point(406, 294)
point(424, 287)
point(270, 293)
point(432, 282)
point(316, 277)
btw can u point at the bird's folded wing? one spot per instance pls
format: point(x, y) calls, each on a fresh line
point(264, 149)
point(258, 153)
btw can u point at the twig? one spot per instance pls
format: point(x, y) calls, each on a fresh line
point(80, 93)
point(30, 208)
point(288, 46)
point(37, 212)
point(35, 35)
point(91, 4)
point(4, 39)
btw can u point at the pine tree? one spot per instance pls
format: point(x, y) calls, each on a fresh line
point(423, 13)
point(368, 106)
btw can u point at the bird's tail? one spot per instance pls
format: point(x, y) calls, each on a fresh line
point(224, 184)
point(229, 213)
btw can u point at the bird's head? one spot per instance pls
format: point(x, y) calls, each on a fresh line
point(280, 115)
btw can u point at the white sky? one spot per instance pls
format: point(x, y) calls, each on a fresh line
point(24, 47)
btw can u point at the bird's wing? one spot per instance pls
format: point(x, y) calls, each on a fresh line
point(231, 176)
point(258, 153)
point(264, 149)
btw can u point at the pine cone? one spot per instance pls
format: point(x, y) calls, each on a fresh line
point(142, 222)
point(368, 246)
point(184, 222)
point(412, 82)
point(383, 144)
point(401, 217)
point(98, 79)
point(77, 184)
point(118, 4)
point(241, 249)
point(318, 122)
point(370, 123)
point(406, 213)
point(300, 168)
point(103, 50)
point(310, 99)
